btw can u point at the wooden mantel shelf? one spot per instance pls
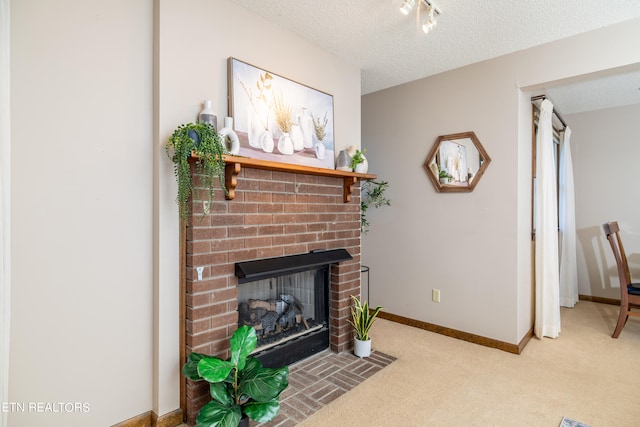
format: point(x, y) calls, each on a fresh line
point(234, 166)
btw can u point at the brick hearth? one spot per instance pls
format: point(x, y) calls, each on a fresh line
point(273, 214)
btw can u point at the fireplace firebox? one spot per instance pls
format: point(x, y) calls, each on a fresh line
point(286, 299)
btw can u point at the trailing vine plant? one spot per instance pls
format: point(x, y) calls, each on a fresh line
point(372, 195)
point(205, 143)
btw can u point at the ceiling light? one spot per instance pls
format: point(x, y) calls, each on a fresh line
point(429, 25)
point(432, 10)
point(407, 5)
point(431, 22)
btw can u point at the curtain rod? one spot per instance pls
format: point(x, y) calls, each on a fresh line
point(543, 97)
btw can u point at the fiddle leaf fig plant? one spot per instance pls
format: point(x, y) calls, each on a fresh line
point(202, 141)
point(238, 386)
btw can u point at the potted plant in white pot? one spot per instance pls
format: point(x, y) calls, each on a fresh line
point(240, 387)
point(444, 177)
point(359, 162)
point(362, 320)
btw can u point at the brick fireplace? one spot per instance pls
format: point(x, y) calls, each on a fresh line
point(273, 214)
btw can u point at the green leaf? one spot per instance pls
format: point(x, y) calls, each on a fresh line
point(362, 318)
point(263, 384)
point(221, 393)
point(210, 164)
point(262, 412)
point(190, 368)
point(372, 194)
point(213, 369)
point(214, 414)
point(243, 342)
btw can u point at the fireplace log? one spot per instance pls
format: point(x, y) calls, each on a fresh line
point(292, 300)
point(258, 303)
point(249, 317)
point(272, 316)
point(269, 321)
point(278, 306)
point(288, 318)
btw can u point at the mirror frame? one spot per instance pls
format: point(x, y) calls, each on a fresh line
point(485, 160)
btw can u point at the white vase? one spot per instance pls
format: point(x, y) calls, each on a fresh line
point(297, 138)
point(229, 137)
point(362, 348)
point(256, 121)
point(207, 116)
point(266, 142)
point(285, 145)
point(320, 149)
point(362, 167)
point(306, 125)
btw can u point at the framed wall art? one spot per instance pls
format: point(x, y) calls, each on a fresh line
point(279, 120)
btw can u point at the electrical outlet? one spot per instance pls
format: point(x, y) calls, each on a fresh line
point(206, 207)
point(435, 295)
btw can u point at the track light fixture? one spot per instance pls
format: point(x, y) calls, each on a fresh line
point(431, 22)
point(432, 10)
point(407, 5)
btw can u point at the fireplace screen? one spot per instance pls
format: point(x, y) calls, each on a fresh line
point(285, 307)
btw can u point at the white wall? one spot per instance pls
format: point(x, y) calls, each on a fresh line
point(476, 248)
point(420, 241)
point(95, 227)
point(606, 149)
point(81, 116)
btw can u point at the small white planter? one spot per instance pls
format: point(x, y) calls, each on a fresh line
point(362, 348)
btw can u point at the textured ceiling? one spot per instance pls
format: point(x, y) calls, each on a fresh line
point(390, 48)
point(597, 93)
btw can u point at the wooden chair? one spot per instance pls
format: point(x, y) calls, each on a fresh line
point(629, 292)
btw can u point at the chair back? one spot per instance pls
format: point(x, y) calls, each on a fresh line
point(612, 230)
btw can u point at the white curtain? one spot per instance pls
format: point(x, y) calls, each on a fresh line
point(5, 187)
point(567, 219)
point(547, 319)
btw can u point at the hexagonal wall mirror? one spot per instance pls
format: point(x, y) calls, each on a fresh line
point(456, 162)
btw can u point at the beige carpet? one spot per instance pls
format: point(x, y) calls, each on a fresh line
point(584, 375)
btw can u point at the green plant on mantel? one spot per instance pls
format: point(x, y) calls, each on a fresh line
point(358, 158)
point(371, 195)
point(203, 141)
point(240, 385)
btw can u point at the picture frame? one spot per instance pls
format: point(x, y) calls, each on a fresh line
point(278, 119)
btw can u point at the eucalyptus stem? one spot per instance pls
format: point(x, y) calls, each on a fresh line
point(255, 109)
